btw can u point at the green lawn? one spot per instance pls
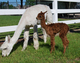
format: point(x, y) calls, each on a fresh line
point(42, 55)
point(9, 20)
point(13, 20)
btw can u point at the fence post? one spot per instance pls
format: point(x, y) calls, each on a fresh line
point(55, 7)
point(21, 3)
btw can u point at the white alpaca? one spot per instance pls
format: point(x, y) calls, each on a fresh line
point(27, 20)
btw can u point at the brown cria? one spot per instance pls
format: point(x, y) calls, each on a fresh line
point(53, 29)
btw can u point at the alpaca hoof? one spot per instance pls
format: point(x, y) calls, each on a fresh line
point(36, 47)
point(22, 49)
point(51, 52)
point(44, 42)
point(63, 52)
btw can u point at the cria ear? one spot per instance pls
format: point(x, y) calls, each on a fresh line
point(8, 38)
point(41, 12)
point(45, 12)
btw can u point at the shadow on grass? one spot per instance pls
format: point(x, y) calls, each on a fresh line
point(21, 40)
point(75, 30)
point(57, 47)
point(30, 42)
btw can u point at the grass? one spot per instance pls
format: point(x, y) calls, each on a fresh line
point(63, 19)
point(13, 20)
point(9, 20)
point(42, 55)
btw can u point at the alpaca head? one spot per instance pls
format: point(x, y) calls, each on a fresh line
point(41, 15)
point(6, 47)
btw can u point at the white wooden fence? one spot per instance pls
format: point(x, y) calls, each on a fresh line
point(55, 12)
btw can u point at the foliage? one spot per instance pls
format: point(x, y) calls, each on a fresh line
point(11, 7)
point(30, 2)
point(3, 5)
point(6, 5)
point(9, 20)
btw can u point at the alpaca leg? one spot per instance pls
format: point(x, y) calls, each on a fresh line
point(26, 38)
point(52, 44)
point(35, 38)
point(65, 42)
point(64, 48)
point(44, 35)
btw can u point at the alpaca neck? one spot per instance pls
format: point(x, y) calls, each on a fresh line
point(43, 24)
point(17, 33)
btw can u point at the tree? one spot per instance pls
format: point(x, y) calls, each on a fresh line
point(0, 5)
point(5, 5)
point(11, 7)
point(30, 2)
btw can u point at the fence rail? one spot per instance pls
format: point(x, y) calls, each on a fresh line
point(69, 0)
point(11, 11)
point(21, 11)
point(55, 12)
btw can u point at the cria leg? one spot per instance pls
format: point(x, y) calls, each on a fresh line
point(26, 38)
point(44, 35)
point(65, 43)
point(52, 44)
point(35, 38)
point(64, 40)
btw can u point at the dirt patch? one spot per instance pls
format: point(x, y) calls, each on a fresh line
point(22, 39)
point(77, 59)
point(19, 40)
point(40, 36)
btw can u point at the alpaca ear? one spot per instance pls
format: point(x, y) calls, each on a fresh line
point(8, 38)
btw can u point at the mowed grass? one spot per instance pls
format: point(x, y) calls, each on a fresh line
point(9, 20)
point(13, 20)
point(42, 55)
